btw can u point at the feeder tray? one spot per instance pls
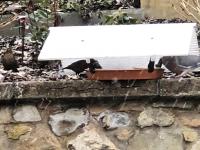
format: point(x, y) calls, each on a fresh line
point(129, 74)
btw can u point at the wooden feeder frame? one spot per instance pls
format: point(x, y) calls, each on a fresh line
point(128, 74)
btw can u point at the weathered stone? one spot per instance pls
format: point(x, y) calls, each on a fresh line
point(41, 139)
point(79, 89)
point(124, 134)
point(91, 140)
point(152, 140)
point(2, 77)
point(26, 113)
point(16, 131)
point(97, 109)
point(68, 122)
point(191, 122)
point(151, 117)
point(6, 91)
point(196, 146)
point(112, 120)
point(190, 135)
point(5, 115)
point(132, 106)
point(145, 119)
point(173, 104)
point(3, 139)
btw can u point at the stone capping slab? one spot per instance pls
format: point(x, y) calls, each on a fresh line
point(86, 88)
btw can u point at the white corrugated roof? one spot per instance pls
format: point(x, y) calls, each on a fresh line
point(120, 41)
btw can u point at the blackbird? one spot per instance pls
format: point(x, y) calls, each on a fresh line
point(78, 66)
point(159, 64)
point(81, 65)
point(151, 65)
point(94, 64)
point(136, 4)
point(8, 60)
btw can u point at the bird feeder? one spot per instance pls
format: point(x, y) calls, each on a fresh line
point(122, 50)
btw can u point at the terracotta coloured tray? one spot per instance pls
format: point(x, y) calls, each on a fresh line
point(130, 74)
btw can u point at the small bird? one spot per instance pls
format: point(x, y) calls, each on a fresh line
point(78, 66)
point(136, 4)
point(151, 65)
point(94, 64)
point(159, 64)
point(8, 60)
point(81, 65)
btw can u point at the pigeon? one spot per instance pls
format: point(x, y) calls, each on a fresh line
point(181, 65)
point(78, 66)
point(151, 65)
point(8, 60)
point(94, 64)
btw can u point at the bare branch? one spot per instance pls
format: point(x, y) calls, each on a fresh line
point(187, 8)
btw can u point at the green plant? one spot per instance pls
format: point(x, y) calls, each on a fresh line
point(39, 22)
point(117, 18)
point(87, 7)
point(39, 19)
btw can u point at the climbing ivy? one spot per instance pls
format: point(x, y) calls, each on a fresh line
point(117, 18)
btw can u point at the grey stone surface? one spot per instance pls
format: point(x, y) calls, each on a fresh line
point(68, 122)
point(84, 88)
point(151, 117)
point(196, 146)
point(152, 140)
point(6, 91)
point(112, 120)
point(5, 145)
point(91, 140)
point(174, 104)
point(79, 89)
point(124, 134)
point(5, 114)
point(26, 113)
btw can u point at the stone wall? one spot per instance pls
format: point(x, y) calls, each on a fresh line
point(117, 116)
point(112, 125)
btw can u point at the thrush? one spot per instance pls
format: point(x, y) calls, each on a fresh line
point(78, 66)
point(94, 64)
point(8, 60)
point(151, 65)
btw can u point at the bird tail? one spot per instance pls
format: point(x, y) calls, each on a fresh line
point(15, 70)
point(66, 68)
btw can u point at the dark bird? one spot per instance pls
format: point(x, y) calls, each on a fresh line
point(136, 4)
point(81, 65)
point(159, 64)
point(94, 64)
point(8, 60)
point(78, 66)
point(151, 65)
